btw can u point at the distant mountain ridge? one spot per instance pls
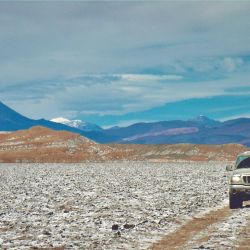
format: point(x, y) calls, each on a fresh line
point(199, 130)
point(205, 121)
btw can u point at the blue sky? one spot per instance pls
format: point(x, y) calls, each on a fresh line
point(116, 63)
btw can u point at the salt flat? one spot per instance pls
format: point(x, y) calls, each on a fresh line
point(75, 206)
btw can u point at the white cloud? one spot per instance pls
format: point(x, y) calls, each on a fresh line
point(148, 77)
point(230, 64)
point(226, 118)
point(51, 39)
point(107, 95)
point(44, 44)
point(128, 123)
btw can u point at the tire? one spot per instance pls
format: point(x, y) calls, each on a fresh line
point(235, 202)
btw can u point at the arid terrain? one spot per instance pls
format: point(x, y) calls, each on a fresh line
point(129, 205)
point(40, 144)
point(184, 152)
point(124, 124)
point(61, 190)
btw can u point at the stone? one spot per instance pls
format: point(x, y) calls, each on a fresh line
point(45, 232)
point(115, 227)
point(128, 226)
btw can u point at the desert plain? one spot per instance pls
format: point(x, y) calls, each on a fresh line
point(118, 205)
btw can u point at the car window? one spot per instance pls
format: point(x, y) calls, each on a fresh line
point(240, 158)
point(245, 163)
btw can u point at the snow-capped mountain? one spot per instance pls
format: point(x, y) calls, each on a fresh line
point(85, 126)
point(205, 121)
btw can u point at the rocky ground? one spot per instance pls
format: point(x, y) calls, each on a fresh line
point(126, 205)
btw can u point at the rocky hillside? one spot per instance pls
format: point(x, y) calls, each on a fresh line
point(184, 152)
point(40, 144)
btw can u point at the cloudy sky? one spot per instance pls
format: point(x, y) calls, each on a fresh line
point(122, 62)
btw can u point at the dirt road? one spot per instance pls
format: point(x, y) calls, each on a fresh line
point(218, 229)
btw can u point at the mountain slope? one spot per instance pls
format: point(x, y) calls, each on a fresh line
point(10, 120)
point(163, 131)
point(40, 144)
point(202, 120)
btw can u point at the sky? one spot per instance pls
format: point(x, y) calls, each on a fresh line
point(122, 62)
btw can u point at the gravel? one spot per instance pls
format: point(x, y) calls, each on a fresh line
point(103, 205)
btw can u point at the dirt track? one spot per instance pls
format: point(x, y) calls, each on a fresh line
point(180, 238)
point(209, 230)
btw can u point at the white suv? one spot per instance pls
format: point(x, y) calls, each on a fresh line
point(239, 181)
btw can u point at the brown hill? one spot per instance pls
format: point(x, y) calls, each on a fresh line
point(40, 144)
point(184, 152)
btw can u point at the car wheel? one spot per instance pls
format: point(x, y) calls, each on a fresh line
point(235, 202)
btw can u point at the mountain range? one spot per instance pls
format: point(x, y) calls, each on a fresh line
point(199, 130)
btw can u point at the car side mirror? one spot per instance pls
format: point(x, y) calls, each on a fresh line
point(229, 168)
